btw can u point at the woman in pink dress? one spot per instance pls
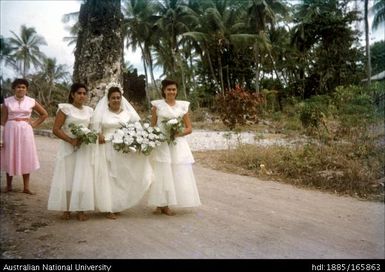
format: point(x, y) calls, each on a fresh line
point(18, 149)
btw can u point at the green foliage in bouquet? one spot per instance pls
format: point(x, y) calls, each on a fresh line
point(84, 134)
point(173, 127)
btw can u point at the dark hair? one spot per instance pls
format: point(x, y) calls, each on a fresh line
point(165, 83)
point(113, 90)
point(74, 88)
point(20, 81)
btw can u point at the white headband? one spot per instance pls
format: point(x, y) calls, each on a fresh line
point(113, 84)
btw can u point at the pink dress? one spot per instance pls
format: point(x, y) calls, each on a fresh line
point(19, 155)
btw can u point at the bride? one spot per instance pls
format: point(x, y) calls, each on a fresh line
point(121, 179)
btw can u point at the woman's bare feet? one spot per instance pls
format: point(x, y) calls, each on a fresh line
point(66, 216)
point(158, 210)
point(111, 216)
point(26, 191)
point(81, 216)
point(167, 211)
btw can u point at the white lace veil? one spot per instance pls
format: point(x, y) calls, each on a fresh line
point(102, 108)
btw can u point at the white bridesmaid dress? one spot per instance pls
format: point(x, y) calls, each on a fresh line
point(174, 181)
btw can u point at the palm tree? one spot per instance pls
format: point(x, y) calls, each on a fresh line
point(73, 30)
point(175, 19)
point(25, 48)
point(379, 13)
point(51, 73)
point(138, 25)
point(219, 23)
point(5, 53)
point(263, 14)
point(367, 43)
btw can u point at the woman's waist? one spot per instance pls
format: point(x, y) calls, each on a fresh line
point(108, 135)
point(19, 119)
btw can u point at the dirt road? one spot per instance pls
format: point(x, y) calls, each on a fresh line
point(241, 217)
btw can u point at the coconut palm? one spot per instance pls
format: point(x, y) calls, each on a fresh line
point(379, 13)
point(262, 16)
point(367, 43)
point(175, 19)
point(138, 25)
point(5, 53)
point(45, 82)
point(25, 48)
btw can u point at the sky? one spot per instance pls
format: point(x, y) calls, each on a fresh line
point(46, 17)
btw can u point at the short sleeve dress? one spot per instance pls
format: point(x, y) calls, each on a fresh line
point(174, 181)
point(19, 154)
point(72, 187)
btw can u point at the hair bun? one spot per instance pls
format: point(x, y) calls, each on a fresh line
point(113, 84)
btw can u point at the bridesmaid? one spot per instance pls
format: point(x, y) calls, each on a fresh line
point(18, 148)
point(72, 187)
point(174, 182)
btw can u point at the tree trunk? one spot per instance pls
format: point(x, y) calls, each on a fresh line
point(367, 44)
point(256, 59)
point(151, 66)
point(211, 65)
point(221, 74)
point(148, 98)
point(99, 48)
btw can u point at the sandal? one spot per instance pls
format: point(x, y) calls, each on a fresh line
point(66, 216)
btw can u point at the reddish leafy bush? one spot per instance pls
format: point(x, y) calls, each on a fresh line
point(238, 106)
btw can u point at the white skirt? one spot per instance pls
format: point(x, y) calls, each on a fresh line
point(72, 187)
point(122, 179)
point(174, 182)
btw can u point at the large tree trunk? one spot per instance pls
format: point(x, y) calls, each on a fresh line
point(367, 43)
point(99, 48)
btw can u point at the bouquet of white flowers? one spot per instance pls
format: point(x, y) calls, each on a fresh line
point(172, 127)
point(84, 134)
point(135, 137)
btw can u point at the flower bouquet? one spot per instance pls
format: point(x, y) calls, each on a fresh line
point(172, 127)
point(84, 134)
point(135, 137)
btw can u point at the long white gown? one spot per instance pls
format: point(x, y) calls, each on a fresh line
point(174, 182)
point(72, 186)
point(122, 179)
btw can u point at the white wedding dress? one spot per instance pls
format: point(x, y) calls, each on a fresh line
point(174, 182)
point(72, 187)
point(122, 179)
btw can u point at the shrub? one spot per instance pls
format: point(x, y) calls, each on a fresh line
point(238, 106)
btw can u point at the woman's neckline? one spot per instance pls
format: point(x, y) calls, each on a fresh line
point(116, 112)
point(170, 104)
point(19, 99)
point(78, 107)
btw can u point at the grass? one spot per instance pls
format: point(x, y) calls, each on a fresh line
point(353, 167)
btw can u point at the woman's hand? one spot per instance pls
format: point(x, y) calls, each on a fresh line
point(187, 126)
point(102, 140)
point(74, 142)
